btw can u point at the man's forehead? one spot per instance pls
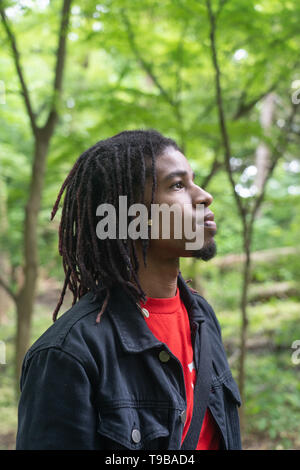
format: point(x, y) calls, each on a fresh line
point(172, 163)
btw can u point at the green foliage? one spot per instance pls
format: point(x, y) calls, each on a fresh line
point(107, 88)
point(273, 398)
point(138, 64)
point(272, 380)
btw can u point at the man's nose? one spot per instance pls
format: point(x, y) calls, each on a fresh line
point(202, 197)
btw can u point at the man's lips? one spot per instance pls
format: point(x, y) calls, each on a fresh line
point(209, 221)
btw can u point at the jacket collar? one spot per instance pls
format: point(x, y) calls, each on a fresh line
point(134, 334)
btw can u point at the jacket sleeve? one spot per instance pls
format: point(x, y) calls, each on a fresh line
point(55, 408)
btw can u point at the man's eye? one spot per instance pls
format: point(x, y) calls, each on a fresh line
point(178, 183)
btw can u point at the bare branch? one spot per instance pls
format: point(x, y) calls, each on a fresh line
point(60, 63)
point(221, 113)
point(8, 290)
point(220, 8)
point(278, 151)
point(17, 61)
point(244, 107)
point(146, 66)
point(215, 167)
point(179, 51)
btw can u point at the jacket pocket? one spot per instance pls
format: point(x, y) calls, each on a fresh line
point(224, 404)
point(227, 382)
point(133, 427)
point(232, 389)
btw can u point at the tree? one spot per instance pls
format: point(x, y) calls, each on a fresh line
point(248, 213)
point(24, 298)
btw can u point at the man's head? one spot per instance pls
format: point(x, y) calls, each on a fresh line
point(175, 186)
point(139, 165)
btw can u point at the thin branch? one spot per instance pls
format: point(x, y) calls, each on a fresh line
point(221, 113)
point(175, 103)
point(60, 63)
point(180, 54)
point(146, 66)
point(220, 8)
point(178, 86)
point(278, 151)
point(244, 107)
point(16, 57)
point(215, 167)
point(8, 290)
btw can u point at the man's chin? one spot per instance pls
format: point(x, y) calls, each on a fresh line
point(207, 252)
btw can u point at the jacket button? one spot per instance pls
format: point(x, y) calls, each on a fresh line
point(183, 416)
point(145, 312)
point(136, 436)
point(164, 356)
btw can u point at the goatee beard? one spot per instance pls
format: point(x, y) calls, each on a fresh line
point(207, 252)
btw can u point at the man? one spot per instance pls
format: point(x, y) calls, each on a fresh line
point(137, 362)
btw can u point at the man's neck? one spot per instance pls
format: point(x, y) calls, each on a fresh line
point(159, 279)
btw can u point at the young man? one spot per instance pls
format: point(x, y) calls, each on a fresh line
point(137, 363)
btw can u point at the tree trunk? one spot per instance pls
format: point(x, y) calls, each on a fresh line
point(5, 300)
point(42, 137)
point(26, 296)
point(263, 166)
point(244, 320)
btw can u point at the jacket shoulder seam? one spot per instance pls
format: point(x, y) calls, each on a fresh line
point(55, 348)
point(70, 325)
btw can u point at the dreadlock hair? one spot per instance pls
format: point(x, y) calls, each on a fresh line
point(117, 166)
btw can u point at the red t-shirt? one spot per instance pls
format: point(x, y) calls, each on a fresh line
point(168, 320)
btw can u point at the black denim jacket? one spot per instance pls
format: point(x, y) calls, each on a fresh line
point(106, 386)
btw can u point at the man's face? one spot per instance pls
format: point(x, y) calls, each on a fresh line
point(175, 185)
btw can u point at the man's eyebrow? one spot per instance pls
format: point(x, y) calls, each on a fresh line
point(173, 174)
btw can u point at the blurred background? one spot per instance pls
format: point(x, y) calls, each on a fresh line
point(220, 77)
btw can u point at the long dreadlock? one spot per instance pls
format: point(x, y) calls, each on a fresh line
point(117, 166)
